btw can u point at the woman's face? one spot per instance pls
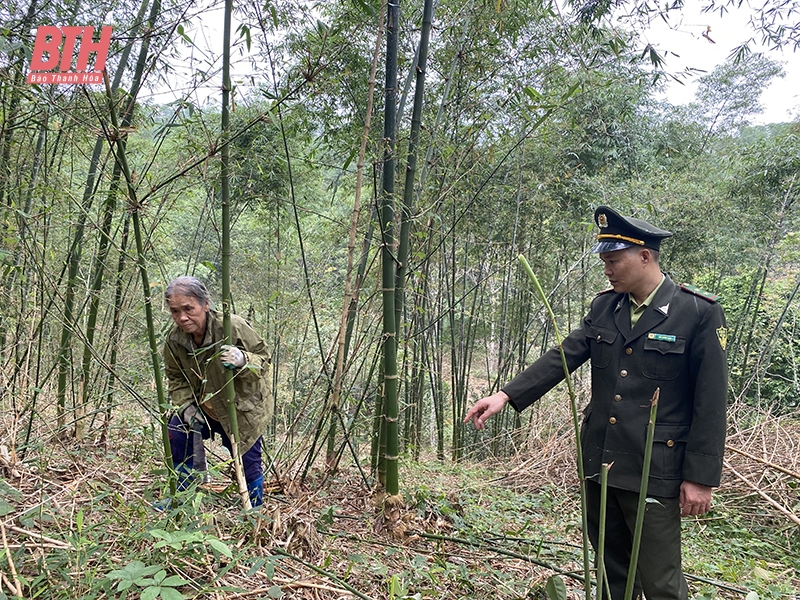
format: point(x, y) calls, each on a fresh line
point(189, 314)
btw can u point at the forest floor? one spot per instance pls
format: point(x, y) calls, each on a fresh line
point(78, 522)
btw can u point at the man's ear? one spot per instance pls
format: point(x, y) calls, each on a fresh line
point(645, 256)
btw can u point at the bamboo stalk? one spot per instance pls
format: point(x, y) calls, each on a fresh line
point(116, 329)
point(637, 531)
point(229, 390)
point(390, 377)
point(411, 166)
point(11, 567)
point(76, 249)
point(601, 538)
point(576, 428)
point(501, 551)
point(155, 356)
point(109, 208)
point(351, 292)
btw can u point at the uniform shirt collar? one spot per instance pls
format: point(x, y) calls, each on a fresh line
point(638, 309)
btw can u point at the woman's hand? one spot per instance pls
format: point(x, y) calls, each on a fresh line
point(231, 357)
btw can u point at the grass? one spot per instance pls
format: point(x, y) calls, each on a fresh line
point(79, 523)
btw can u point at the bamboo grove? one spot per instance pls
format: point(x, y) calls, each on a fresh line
point(382, 167)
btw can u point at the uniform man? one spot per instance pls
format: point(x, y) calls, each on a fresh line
point(644, 333)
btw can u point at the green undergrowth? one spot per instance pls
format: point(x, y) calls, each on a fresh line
point(743, 545)
point(469, 531)
point(738, 550)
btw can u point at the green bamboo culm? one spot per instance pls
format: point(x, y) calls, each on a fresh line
point(110, 207)
point(575, 424)
point(637, 531)
point(230, 393)
point(390, 377)
point(134, 207)
point(69, 323)
point(411, 166)
point(601, 538)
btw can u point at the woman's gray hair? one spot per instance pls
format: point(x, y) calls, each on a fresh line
point(188, 286)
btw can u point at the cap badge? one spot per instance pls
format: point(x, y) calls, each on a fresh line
point(602, 220)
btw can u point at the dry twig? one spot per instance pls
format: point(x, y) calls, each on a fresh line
point(789, 514)
point(11, 567)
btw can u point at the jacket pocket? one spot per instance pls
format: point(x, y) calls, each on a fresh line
point(601, 340)
point(669, 449)
point(248, 403)
point(662, 359)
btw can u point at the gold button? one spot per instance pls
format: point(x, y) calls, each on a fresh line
point(628, 350)
point(670, 443)
point(612, 420)
point(623, 373)
point(599, 337)
point(617, 398)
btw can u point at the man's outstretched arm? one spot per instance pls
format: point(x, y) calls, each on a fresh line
point(485, 408)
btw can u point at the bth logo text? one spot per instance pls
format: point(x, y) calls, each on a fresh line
point(54, 50)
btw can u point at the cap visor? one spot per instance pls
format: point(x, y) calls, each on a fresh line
point(609, 246)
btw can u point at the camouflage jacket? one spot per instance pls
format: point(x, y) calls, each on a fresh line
point(196, 374)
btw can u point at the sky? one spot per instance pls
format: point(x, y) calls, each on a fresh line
point(689, 48)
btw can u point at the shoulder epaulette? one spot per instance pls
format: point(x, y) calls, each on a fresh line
point(698, 292)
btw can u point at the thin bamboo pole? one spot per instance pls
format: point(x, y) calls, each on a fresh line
point(576, 427)
point(601, 536)
point(74, 255)
point(109, 208)
point(155, 356)
point(229, 391)
point(116, 328)
point(351, 291)
point(637, 530)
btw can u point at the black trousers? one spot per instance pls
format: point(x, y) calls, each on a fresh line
point(659, 573)
point(180, 441)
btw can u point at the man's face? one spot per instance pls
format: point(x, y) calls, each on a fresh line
point(188, 313)
point(624, 269)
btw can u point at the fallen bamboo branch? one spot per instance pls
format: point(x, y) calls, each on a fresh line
point(292, 584)
point(9, 585)
point(717, 584)
point(763, 462)
point(789, 514)
point(315, 586)
point(11, 567)
point(323, 572)
point(33, 534)
point(510, 553)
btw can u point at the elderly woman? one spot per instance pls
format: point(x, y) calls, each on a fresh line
point(196, 361)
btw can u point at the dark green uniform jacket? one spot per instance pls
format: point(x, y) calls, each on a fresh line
point(196, 374)
point(677, 345)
